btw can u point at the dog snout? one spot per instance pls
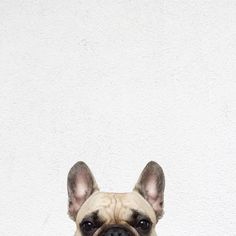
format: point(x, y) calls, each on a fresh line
point(116, 231)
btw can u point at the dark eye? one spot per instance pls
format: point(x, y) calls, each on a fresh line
point(144, 225)
point(87, 226)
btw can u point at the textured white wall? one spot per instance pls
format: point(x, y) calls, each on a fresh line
point(116, 84)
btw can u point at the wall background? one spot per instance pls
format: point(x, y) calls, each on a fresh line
point(116, 84)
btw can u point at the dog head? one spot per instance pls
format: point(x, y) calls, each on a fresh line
point(115, 214)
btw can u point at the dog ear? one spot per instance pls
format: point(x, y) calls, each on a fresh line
point(80, 185)
point(151, 185)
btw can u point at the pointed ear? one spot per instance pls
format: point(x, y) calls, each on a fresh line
point(80, 185)
point(150, 185)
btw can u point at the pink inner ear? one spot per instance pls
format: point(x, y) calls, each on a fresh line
point(79, 196)
point(152, 194)
point(151, 188)
point(83, 188)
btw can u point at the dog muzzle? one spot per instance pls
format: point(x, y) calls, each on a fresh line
point(116, 231)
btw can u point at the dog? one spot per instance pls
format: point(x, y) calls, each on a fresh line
point(115, 214)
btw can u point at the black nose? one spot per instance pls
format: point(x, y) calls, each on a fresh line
point(116, 231)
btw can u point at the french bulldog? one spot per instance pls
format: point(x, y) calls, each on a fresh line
point(98, 213)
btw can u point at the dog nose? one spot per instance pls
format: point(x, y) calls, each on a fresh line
point(116, 231)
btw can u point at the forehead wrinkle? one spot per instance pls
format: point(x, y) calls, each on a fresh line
point(115, 211)
point(121, 210)
point(110, 209)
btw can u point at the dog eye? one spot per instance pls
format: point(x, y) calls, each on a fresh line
point(87, 226)
point(144, 225)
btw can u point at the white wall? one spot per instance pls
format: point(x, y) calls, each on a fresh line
point(116, 84)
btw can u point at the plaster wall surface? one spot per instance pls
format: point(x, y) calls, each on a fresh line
point(116, 84)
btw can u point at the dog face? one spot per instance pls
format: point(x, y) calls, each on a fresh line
point(115, 214)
